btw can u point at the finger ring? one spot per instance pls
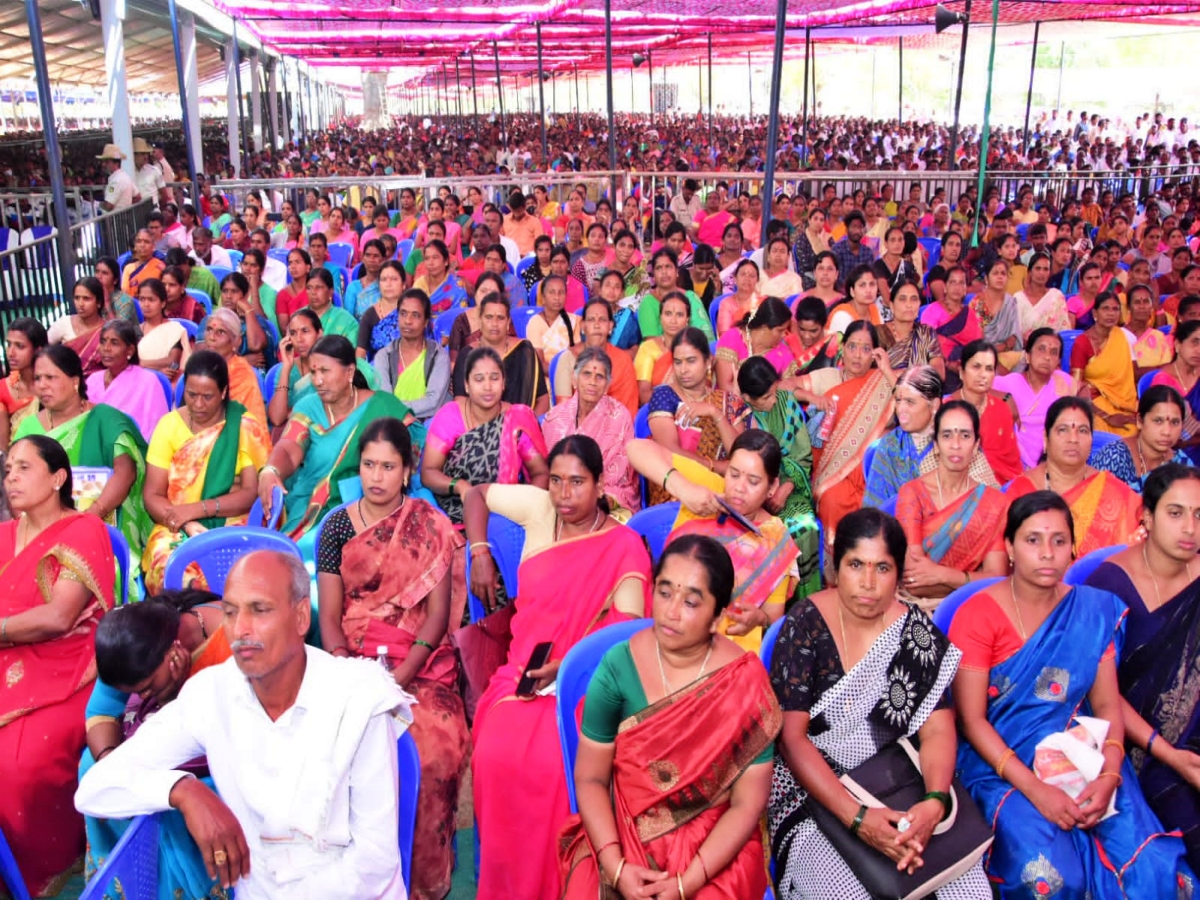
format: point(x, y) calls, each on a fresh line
point(220, 857)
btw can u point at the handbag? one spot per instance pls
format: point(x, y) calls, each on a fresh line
point(482, 648)
point(892, 778)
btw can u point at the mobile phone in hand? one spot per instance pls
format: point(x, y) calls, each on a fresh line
point(537, 659)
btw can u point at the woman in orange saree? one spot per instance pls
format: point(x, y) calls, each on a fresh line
point(857, 411)
point(572, 549)
point(1106, 511)
point(954, 524)
point(386, 579)
point(55, 586)
point(674, 773)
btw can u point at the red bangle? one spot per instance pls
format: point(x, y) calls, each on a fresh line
point(703, 867)
point(613, 843)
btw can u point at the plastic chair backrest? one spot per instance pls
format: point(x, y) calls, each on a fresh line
point(256, 511)
point(279, 253)
point(321, 526)
point(270, 380)
point(179, 391)
point(10, 875)
point(521, 317)
point(165, 383)
point(408, 767)
point(889, 505)
point(573, 676)
point(655, 524)
point(132, 865)
point(443, 322)
point(202, 298)
point(1101, 439)
point(869, 457)
point(120, 550)
point(944, 614)
point(1082, 569)
point(933, 247)
point(506, 539)
point(216, 551)
point(192, 329)
point(768, 642)
point(641, 423)
point(340, 254)
point(1068, 339)
point(124, 258)
point(523, 265)
point(404, 249)
point(554, 361)
point(1143, 384)
point(235, 257)
point(219, 272)
point(713, 309)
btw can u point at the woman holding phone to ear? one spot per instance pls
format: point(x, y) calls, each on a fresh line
point(572, 549)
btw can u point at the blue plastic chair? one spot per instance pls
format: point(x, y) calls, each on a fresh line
point(889, 505)
point(521, 316)
point(340, 254)
point(767, 649)
point(944, 614)
point(276, 511)
point(443, 322)
point(523, 265)
point(933, 247)
point(10, 875)
point(278, 253)
point(216, 551)
point(1068, 339)
point(713, 309)
point(506, 539)
point(641, 429)
point(1081, 570)
point(321, 524)
point(1143, 384)
point(270, 380)
point(554, 361)
point(179, 392)
point(200, 297)
point(120, 550)
point(1100, 439)
point(654, 525)
point(573, 676)
point(219, 272)
point(408, 767)
point(132, 865)
point(869, 457)
point(124, 258)
point(235, 257)
point(404, 249)
point(192, 329)
point(168, 391)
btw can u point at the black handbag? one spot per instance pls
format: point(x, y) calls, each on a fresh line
point(892, 778)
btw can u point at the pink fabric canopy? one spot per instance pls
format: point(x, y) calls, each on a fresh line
point(418, 33)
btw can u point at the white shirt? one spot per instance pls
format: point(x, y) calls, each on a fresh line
point(275, 274)
point(315, 792)
point(220, 257)
point(149, 181)
point(119, 190)
point(178, 236)
point(168, 174)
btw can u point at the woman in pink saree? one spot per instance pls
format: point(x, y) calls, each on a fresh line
point(572, 549)
point(123, 383)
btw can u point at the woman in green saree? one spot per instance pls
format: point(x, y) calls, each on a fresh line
point(93, 436)
point(777, 411)
point(318, 453)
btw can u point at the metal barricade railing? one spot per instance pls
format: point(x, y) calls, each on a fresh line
point(109, 234)
point(31, 285)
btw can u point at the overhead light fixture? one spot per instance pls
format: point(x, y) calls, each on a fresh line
point(638, 59)
point(545, 76)
point(944, 18)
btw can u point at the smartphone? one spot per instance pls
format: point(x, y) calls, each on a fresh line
point(538, 658)
point(738, 517)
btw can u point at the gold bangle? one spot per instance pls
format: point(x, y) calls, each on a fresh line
point(1004, 760)
point(1116, 744)
point(617, 878)
point(679, 881)
point(1116, 775)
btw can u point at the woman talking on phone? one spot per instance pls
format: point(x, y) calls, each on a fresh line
point(572, 549)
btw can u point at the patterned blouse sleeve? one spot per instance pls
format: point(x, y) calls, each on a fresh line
point(664, 401)
point(794, 662)
point(336, 534)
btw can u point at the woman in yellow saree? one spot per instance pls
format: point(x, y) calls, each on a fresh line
point(202, 465)
point(1102, 361)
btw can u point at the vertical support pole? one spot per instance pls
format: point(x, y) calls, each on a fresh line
point(273, 102)
point(233, 120)
point(578, 108)
point(541, 75)
point(475, 93)
point(962, 65)
point(256, 111)
point(500, 92)
point(237, 77)
point(768, 192)
point(1037, 28)
point(900, 90)
point(710, 94)
point(804, 114)
point(458, 97)
point(1062, 57)
point(112, 20)
point(986, 134)
point(66, 253)
point(750, 83)
point(650, 64)
point(185, 98)
point(608, 68)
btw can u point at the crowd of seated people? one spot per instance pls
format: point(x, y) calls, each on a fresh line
point(1012, 406)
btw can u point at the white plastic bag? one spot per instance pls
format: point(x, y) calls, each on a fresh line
point(1072, 759)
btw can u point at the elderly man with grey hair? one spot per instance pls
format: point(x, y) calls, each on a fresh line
point(301, 745)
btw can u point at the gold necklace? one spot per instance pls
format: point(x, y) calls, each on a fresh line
point(662, 672)
point(1016, 607)
point(592, 530)
point(353, 406)
point(845, 643)
point(1154, 581)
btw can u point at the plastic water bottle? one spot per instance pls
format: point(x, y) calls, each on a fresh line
point(381, 656)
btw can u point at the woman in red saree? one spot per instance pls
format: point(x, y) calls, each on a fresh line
point(573, 549)
point(674, 773)
point(1106, 511)
point(56, 585)
point(858, 404)
point(386, 578)
point(954, 524)
point(81, 331)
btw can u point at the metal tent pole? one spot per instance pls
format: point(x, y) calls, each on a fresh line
point(650, 63)
point(1037, 27)
point(768, 193)
point(499, 92)
point(183, 103)
point(750, 83)
point(458, 97)
point(985, 135)
point(710, 93)
point(541, 83)
point(900, 90)
point(475, 93)
point(962, 65)
point(237, 71)
point(804, 114)
point(608, 65)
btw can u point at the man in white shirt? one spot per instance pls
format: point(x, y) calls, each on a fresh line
point(160, 160)
point(148, 177)
point(120, 191)
point(275, 273)
point(301, 746)
point(685, 206)
point(205, 252)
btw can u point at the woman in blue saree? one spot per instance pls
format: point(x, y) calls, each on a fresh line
point(144, 654)
point(316, 459)
point(1036, 652)
point(1161, 648)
